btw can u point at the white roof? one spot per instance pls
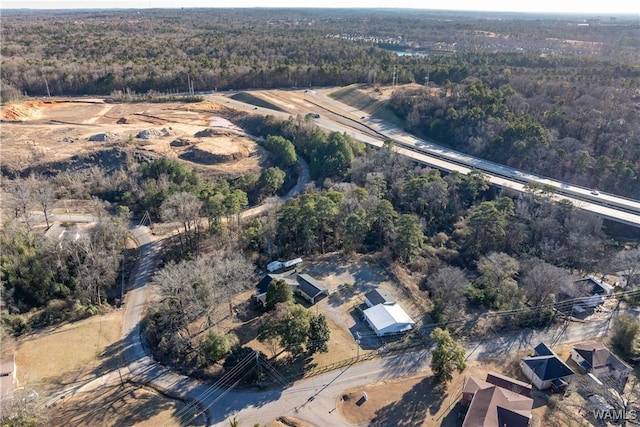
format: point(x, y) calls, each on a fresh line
point(292, 262)
point(382, 316)
point(274, 265)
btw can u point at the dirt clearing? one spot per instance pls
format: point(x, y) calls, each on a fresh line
point(40, 132)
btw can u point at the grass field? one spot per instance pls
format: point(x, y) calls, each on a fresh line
point(372, 100)
point(60, 358)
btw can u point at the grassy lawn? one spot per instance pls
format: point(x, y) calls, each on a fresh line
point(56, 359)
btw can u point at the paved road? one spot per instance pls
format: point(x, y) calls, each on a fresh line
point(314, 399)
point(336, 116)
point(143, 368)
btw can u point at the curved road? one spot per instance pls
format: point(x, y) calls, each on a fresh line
point(313, 399)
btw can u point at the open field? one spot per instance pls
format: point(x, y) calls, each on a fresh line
point(118, 405)
point(61, 131)
point(58, 358)
point(65, 357)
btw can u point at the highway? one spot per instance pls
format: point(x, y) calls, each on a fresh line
point(339, 117)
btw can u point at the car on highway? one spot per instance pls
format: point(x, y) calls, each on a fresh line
point(595, 192)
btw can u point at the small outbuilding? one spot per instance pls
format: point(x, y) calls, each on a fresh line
point(388, 319)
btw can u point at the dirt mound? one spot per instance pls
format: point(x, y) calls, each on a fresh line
point(103, 137)
point(19, 112)
point(153, 133)
point(211, 132)
point(216, 151)
point(181, 142)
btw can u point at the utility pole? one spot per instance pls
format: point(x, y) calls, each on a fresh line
point(46, 83)
point(395, 76)
point(257, 367)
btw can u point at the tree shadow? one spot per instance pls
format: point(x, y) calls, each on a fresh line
point(425, 396)
point(122, 404)
point(455, 416)
point(406, 363)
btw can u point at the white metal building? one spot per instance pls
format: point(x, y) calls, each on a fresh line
point(386, 319)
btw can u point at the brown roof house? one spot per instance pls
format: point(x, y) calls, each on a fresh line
point(8, 376)
point(496, 405)
point(546, 370)
point(598, 360)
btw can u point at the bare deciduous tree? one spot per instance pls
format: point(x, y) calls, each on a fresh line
point(629, 263)
point(448, 288)
point(200, 289)
point(43, 194)
point(542, 282)
point(184, 208)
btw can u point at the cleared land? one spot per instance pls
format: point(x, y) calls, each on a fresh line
point(59, 131)
point(54, 360)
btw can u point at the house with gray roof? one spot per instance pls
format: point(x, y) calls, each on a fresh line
point(302, 285)
point(596, 359)
point(546, 370)
point(310, 289)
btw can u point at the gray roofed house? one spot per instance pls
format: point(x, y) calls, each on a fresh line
point(593, 286)
point(595, 358)
point(377, 296)
point(263, 286)
point(543, 350)
point(310, 289)
point(546, 370)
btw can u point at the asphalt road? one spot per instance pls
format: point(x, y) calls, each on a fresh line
point(314, 399)
point(339, 117)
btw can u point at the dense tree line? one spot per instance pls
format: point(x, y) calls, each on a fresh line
point(99, 52)
point(581, 133)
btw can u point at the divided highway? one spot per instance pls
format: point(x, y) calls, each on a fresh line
point(336, 116)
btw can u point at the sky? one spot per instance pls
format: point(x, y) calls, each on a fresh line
point(551, 6)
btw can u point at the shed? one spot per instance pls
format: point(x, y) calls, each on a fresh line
point(388, 319)
point(377, 296)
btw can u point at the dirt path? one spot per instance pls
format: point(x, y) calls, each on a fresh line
point(99, 115)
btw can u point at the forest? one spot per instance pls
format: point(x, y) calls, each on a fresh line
point(556, 95)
